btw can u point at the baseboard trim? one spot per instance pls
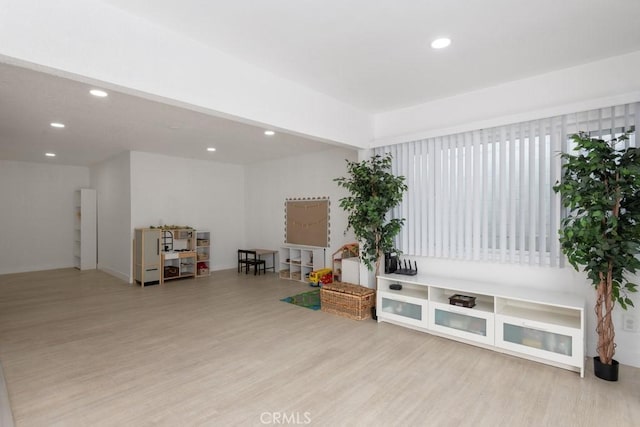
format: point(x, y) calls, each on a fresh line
point(115, 273)
point(6, 417)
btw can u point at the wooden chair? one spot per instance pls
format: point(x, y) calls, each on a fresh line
point(248, 258)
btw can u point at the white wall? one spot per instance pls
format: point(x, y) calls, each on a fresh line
point(101, 43)
point(37, 215)
point(268, 184)
point(598, 84)
point(112, 181)
point(202, 194)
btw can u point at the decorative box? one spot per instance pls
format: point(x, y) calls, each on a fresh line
point(462, 300)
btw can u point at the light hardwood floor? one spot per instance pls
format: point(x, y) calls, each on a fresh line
point(85, 349)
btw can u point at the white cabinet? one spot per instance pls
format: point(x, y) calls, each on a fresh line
point(407, 306)
point(473, 324)
point(85, 229)
point(467, 323)
point(540, 330)
point(296, 262)
point(536, 324)
point(203, 253)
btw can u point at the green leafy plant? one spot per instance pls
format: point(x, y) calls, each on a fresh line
point(374, 192)
point(601, 190)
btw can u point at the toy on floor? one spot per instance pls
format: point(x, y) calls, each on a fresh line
point(322, 276)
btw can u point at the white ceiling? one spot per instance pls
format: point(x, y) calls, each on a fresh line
point(374, 55)
point(99, 128)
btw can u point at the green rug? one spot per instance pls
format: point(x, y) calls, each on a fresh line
point(309, 299)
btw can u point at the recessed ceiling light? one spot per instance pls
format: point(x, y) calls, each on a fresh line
point(440, 43)
point(50, 154)
point(211, 149)
point(57, 125)
point(269, 132)
point(99, 93)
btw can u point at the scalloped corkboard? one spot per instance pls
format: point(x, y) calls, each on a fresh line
point(307, 221)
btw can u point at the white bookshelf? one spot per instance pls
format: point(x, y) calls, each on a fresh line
point(296, 262)
point(85, 229)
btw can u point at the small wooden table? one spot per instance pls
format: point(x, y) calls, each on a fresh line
point(260, 252)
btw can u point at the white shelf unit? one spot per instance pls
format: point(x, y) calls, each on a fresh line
point(535, 324)
point(85, 231)
point(203, 253)
point(296, 262)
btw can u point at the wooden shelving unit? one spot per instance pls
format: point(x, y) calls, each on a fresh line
point(203, 253)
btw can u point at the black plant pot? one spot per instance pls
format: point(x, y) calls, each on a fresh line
point(604, 371)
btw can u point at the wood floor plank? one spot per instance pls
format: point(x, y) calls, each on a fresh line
point(86, 349)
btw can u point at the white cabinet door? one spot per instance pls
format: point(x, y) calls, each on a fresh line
point(402, 308)
point(552, 342)
point(467, 323)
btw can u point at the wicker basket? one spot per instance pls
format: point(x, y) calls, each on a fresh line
point(284, 274)
point(347, 300)
point(171, 271)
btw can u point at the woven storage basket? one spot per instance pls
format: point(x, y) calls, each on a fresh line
point(347, 300)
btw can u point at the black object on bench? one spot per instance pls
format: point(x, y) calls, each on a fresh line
point(407, 271)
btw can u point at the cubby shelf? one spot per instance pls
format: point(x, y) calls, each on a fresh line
point(536, 324)
point(296, 262)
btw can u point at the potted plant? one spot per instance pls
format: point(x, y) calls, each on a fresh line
point(601, 190)
point(374, 191)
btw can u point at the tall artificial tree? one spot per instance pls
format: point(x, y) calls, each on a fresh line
point(374, 191)
point(601, 190)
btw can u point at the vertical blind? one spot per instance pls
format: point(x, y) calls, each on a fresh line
point(487, 194)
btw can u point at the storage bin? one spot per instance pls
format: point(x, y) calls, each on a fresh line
point(170, 271)
point(347, 300)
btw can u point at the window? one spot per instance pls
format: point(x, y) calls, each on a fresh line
point(487, 194)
